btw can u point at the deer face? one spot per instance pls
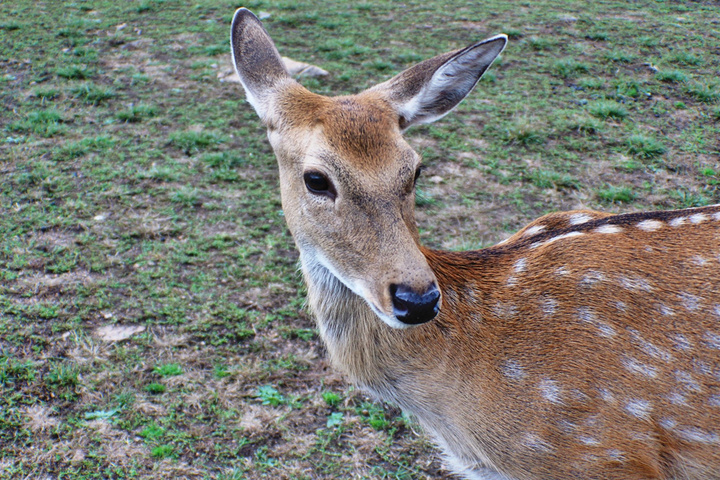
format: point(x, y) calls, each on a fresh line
point(348, 189)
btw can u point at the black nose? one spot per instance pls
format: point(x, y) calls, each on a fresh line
point(414, 308)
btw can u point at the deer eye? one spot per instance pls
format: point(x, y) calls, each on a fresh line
point(319, 184)
point(418, 171)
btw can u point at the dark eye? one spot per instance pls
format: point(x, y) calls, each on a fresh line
point(418, 172)
point(319, 184)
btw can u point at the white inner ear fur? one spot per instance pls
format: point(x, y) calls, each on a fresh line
point(458, 77)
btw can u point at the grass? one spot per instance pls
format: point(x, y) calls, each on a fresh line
point(139, 194)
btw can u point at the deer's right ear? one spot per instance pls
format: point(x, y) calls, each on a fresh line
point(256, 60)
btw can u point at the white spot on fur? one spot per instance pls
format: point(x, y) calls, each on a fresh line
point(562, 271)
point(712, 340)
point(676, 222)
point(606, 395)
point(505, 310)
point(608, 229)
point(677, 398)
point(698, 435)
point(579, 218)
point(536, 443)
point(549, 306)
point(665, 310)
point(520, 265)
point(591, 278)
point(714, 400)
point(513, 370)
point(635, 283)
point(639, 368)
point(681, 342)
point(668, 423)
point(699, 261)
point(555, 239)
point(534, 230)
point(638, 408)
point(589, 441)
point(550, 390)
point(687, 380)
point(717, 310)
point(698, 218)
point(650, 225)
point(588, 316)
point(650, 348)
point(690, 302)
point(716, 216)
point(616, 455)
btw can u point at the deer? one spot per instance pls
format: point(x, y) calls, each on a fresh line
point(586, 345)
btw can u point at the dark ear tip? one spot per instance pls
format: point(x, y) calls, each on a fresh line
point(242, 14)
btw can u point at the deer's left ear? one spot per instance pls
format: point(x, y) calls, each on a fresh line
point(427, 91)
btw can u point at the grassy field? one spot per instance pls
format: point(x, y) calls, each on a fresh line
point(138, 192)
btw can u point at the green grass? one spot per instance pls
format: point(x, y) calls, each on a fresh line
point(139, 191)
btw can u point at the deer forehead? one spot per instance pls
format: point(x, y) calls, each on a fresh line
point(360, 131)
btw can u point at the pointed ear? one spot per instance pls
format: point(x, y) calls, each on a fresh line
point(427, 91)
point(256, 60)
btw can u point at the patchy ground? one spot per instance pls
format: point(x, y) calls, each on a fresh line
point(151, 313)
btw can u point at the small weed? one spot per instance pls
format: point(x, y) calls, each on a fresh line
point(136, 113)
point(524, 131)
point(74, 72)
point(687, 199)
point(331, 398)
point(606, 109)
point(163, 451)
point(686, 58)
point(152, 432)
point(549, 179)
point(192, 142)
point(567, 68)
point(539, 43)
point(706, 93)
point(92, 94)
point(335, 419)
point(268, 395)
point(598, 35)
point(672, 76)
point(591, 83)
point(645, 147)
point(613, 194)
point(155, 388)
point(185, 195)
point(168, 370)
point(46, 123)
point(374, 415)
point(618, 56)
point(13, 371)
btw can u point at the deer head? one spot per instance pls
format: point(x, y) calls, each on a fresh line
point(347, 175)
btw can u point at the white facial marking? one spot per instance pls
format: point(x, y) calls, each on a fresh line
point(638, 408)
point(534, 230)
point(639, 368)
point(676, 222)
point(698, 218)
point(550, 390)
point(579, 218)
point(608, 229)
point(513, 370)
point(650, 225)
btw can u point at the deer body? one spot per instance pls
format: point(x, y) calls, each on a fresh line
point(585, 346)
